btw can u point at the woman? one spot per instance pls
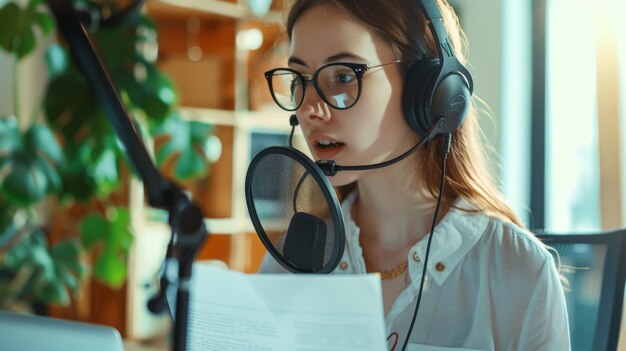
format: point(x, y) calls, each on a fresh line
point(489, 284)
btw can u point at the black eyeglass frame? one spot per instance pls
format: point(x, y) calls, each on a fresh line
point(359, 70)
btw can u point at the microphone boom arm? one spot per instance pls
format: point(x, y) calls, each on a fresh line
point(330, 167)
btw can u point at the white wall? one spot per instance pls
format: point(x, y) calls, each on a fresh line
point(498, 34)
point(481, 21)
point(6, 84)
point(32, 80)
point(515, 107)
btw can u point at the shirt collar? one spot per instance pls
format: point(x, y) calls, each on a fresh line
point(453, 237)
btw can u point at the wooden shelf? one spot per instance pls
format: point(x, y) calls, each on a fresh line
point(209, 8)
point(275, 120)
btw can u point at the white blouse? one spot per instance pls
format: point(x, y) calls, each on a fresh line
point(489, 286)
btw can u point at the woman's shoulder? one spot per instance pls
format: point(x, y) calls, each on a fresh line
point(507, 240)
point(511, 256)
point(512, 236)
point(517, 247)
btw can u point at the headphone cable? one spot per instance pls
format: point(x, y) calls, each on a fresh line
point(447, 142)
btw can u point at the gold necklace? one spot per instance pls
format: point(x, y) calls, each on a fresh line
point(390, 274)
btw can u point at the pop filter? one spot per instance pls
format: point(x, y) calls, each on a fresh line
point(294, 210)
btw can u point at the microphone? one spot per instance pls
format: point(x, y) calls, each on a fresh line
point(294, 208)
point(295, 211)
point(305, 242)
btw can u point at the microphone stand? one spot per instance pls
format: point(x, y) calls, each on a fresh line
point(185, 218)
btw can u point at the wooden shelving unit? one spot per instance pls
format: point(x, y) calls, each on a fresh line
point(236, 100)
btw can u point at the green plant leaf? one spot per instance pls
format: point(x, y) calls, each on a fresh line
point(27, 250)
point(67, 254)
point(26, 182)
point(45, 22)
point(113, 236)
point(93, 229)
point(40, 140)
point(53, 271)
point(16, 26)
point(110, 269)
point(30, 168)
point(78, 184)
point(120, 229)
point(56, 60)
point(106, 171)
point(155, 96)
point(106, 168)
point(52, 176)
point(91, 146)
point(185, 140)
point(10, 138)
point(133, 70)
point(53, 292)
point(68, 280)
point(7, 225)
point(71, 108)
point(10, 142)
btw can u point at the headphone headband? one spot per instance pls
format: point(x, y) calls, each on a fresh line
point(444, 48)
point(437, 87)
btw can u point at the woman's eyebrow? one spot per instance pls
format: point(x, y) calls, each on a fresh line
point(297, 61)
point(344, 55)
point(337, 57)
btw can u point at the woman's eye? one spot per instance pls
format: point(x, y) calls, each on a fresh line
point(344, 78)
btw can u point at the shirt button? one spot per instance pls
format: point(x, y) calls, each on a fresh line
point(343, 265)
point(426, 282)
point(416, 257)
point(440, 267)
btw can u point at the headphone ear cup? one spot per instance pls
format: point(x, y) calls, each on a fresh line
point(418, 86)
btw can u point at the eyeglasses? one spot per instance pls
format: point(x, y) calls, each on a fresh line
point(338, 84)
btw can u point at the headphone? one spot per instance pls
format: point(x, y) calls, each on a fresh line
point(436, 89)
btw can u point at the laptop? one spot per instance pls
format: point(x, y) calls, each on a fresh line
point(20, 332)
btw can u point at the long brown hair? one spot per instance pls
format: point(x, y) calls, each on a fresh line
point(402, 23)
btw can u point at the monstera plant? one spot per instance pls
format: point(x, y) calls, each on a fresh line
point(70, 153)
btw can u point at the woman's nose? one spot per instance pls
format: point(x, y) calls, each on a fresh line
point(313, 107)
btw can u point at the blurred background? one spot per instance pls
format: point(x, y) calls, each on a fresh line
point(78, 242)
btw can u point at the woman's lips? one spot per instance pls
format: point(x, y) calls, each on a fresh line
point(327, 153)
point(324, 146)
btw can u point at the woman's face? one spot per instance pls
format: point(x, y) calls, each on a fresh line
point(371, 131)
